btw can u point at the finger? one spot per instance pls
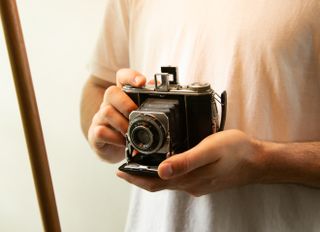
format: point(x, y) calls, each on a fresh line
point(119, 100)
point(151, 184)
point(130, 77)
point(109, 116)
point(152, 82)
point(106, 135)
point(183, 163)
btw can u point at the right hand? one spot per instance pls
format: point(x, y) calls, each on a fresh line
point(109, 125)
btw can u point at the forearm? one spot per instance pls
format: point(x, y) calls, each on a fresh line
point(92, 96)
point(297, 163)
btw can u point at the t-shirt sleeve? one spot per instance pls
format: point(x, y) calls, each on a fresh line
point(111, 51)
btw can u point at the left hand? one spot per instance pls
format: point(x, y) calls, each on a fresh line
point(223, 160)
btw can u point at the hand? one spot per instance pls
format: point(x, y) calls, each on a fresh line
point(222, 160)
point(110, 123)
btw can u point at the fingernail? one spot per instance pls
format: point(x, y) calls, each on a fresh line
point(166, 170)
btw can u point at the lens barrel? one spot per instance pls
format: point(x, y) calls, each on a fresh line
point(146, 134)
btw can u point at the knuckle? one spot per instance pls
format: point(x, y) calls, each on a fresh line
point(111, 91)
point(99, 132)
point(129, 108)
point(95, 143)
point(107, 111)
point(184, 164)
point(194, 193)
point(96, 119)
point(127, 105)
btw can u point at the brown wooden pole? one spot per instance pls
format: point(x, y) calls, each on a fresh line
point(29, 114)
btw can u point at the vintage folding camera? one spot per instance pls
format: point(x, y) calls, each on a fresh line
point(170, 119)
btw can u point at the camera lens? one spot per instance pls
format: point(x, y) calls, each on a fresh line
point(142, 136)
point(146, 134)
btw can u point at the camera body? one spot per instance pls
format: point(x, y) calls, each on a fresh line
point(170, 119)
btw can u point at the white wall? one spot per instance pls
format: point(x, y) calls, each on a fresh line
point(60, 36)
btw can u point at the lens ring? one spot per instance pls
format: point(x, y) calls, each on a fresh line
point(149, 124)
point(142, 137)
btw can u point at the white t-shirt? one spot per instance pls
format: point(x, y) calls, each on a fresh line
point(266, 54)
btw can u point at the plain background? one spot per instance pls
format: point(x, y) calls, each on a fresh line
point(60, 36)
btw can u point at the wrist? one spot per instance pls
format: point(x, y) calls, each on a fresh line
point(260, 161)
point(266, 163)
point(273, 164)
point(286, 163)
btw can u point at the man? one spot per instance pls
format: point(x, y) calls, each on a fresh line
point(263, 172)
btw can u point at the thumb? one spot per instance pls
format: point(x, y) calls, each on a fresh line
point(184, 163)
point(176, 165)
point(128, 76)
